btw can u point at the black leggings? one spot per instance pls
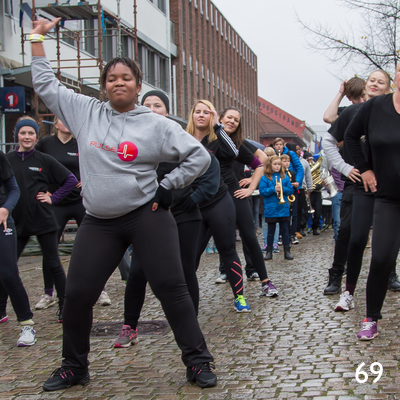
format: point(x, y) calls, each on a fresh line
point(99, 246)
point(220, 222)
point(135, 291)
point(343, 238)
point(62, 215)
point(283, 231)
point(245, 224)
point(385, 248)
point(49, 245)
point(361, 222)
point(10, 281)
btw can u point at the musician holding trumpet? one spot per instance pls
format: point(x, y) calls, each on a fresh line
point(275, 187)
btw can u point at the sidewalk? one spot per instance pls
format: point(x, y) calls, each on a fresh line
point(294, 346)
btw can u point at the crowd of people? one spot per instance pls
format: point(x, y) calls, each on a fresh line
point(141, 179)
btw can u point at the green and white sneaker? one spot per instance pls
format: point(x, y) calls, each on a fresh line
point(241, 304)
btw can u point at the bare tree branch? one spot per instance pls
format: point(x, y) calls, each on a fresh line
point(377, 45)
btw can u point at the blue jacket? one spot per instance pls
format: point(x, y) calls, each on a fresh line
point(295, 165)
point(272, 208)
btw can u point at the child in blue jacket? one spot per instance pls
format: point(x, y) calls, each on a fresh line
point(274, 212)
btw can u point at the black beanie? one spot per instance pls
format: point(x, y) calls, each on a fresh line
point(161, 95)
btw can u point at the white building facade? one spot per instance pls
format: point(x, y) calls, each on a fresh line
point(90, 34)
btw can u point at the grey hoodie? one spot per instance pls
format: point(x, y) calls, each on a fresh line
point(119, 152)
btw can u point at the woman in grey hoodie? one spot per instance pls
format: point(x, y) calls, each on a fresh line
point(120, 146)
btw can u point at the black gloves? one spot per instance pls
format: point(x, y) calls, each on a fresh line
point(163, 197)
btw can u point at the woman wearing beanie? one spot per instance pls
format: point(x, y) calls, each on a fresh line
point(186, 212)
point(33, 214)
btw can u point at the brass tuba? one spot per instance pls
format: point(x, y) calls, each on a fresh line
point(315, 172)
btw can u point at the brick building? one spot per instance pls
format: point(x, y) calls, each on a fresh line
point(212, 62)
point(275, 122)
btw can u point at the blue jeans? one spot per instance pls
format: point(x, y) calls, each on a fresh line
point(336, 202)
point(255, 205)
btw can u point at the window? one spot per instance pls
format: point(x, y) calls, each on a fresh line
point(206, 5)
point(160, 4)
point(190, 63)
point(226, 35)
point(216, 19)
point(222, 30)
point(89, 42)
point(201, 7)
point(202, 71)
point(212, 14)
point(229, 34)
point(195, 3)
point(184, 58)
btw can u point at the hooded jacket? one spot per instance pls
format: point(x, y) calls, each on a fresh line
point(119, 152)
point(272, 208)
point(295, 165)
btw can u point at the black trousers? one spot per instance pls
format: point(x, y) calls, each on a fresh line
point(99, 246)
point(361, 222)
point(385, 248)
point(316, 203)
point(302, 209)
point(343, 238)
point(245, 224)
point(220, 222)
point(10, 281)
point(135, 291)
point(49, 244)
point(62, 215)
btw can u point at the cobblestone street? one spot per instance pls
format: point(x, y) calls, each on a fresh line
point(293, 346)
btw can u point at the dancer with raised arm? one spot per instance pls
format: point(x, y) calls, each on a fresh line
point(120, 147)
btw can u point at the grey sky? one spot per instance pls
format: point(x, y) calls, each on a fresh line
point(292, 77)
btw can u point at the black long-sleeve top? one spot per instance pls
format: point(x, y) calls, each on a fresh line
point(379, 122)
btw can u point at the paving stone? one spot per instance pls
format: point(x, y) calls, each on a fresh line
point(291, 347)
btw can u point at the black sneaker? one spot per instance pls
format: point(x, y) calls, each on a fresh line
point(63, 378)
point(202, 375)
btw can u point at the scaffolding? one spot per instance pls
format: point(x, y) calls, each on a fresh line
point(83, 10)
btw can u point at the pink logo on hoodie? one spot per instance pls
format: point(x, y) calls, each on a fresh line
point(127, 151)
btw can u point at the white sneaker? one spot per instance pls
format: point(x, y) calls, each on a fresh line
point(27, 336)
point(346, 302)
point(221, 279)
point(104, 300)
point(45, 301)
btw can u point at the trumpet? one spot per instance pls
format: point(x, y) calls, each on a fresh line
point(280, 195)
